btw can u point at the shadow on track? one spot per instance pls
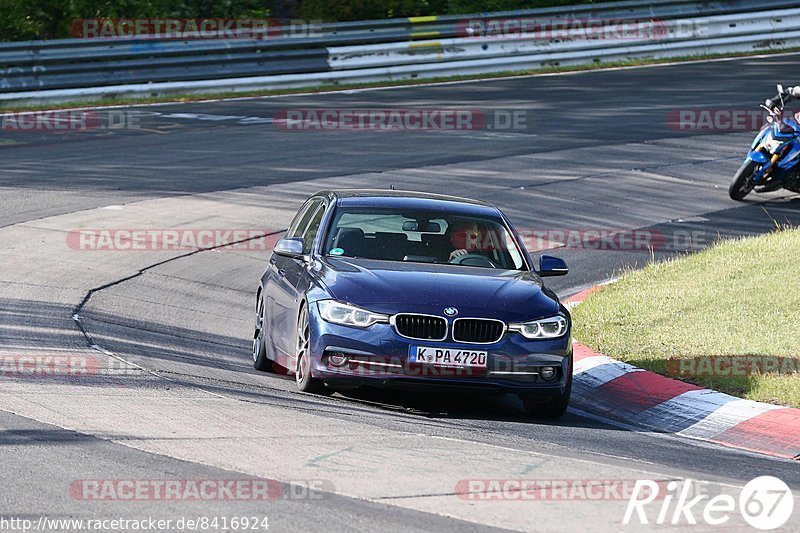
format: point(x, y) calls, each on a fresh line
point(38, 437)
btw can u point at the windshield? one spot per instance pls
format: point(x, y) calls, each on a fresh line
point(422, 236)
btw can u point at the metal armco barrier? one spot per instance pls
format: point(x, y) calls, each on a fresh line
point(536, 52)
point(340, 53)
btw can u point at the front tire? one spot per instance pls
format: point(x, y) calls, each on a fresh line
point(742, 182)
point(553, 408)
point(260, 360)
point(305, 381)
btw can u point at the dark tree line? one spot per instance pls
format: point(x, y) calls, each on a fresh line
point(51, 19)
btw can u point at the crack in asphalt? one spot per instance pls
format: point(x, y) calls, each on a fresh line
point(77, 310)
point(88, 296)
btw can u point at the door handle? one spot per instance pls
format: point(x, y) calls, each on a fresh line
point(281, 272)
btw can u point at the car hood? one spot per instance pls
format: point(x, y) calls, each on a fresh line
point(392, 287)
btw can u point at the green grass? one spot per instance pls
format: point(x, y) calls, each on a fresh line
point(740, 297)
point(113, 101)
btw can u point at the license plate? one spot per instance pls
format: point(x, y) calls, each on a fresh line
point(447, 356)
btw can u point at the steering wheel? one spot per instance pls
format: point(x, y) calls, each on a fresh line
point(473, 259)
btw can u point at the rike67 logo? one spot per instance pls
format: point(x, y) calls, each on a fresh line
point(765, 503)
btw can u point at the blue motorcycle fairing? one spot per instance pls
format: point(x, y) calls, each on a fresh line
point(786, 131)
point(759, 137)
point(791, 123)
point(759, 158)
point(779, 131)
point(770, 132)
point(789, 159)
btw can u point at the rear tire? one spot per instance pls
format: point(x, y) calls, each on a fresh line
point(260, 360)
point(553, 408)
point(742, 184)
point(302, 373)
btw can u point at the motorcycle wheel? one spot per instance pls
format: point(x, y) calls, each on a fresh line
point(742, 184)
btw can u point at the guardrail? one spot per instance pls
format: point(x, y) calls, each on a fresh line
point(685, 34)
point(92, 68)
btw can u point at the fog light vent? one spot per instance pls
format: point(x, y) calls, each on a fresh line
point(337, 359)
point(548, 373)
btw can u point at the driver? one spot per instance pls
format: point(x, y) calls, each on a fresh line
point(464, 238)
point(788, 95)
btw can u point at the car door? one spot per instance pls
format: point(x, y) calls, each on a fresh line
point(279, 292)
point(296, 271)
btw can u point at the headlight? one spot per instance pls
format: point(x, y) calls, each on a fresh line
point(546, 328)
point(348, 315)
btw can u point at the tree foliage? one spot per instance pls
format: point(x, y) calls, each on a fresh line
point(51, 19)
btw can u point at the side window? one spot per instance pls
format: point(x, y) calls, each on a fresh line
point(313, 228)
point(301, 220)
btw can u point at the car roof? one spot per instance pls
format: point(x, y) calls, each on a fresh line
point(408, 199)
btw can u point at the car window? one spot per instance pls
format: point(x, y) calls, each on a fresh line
point(423, 236)
point(300, 221)
point(389, 223)
point(312, 229)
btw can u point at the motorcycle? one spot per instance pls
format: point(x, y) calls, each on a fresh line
point(774, 158)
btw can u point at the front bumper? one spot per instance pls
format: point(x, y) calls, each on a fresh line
point(378, 357)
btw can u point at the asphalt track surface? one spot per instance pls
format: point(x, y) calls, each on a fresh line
point(596, 153)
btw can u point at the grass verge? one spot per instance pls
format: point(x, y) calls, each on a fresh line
point(741, 297)
point(179, 98)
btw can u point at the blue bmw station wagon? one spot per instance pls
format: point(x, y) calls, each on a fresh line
point(389, 288)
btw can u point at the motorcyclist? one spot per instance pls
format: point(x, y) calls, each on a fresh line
point(788, 94)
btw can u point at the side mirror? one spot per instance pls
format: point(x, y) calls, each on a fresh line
point(552, 266)
point(291, 247)
point(780, 88)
